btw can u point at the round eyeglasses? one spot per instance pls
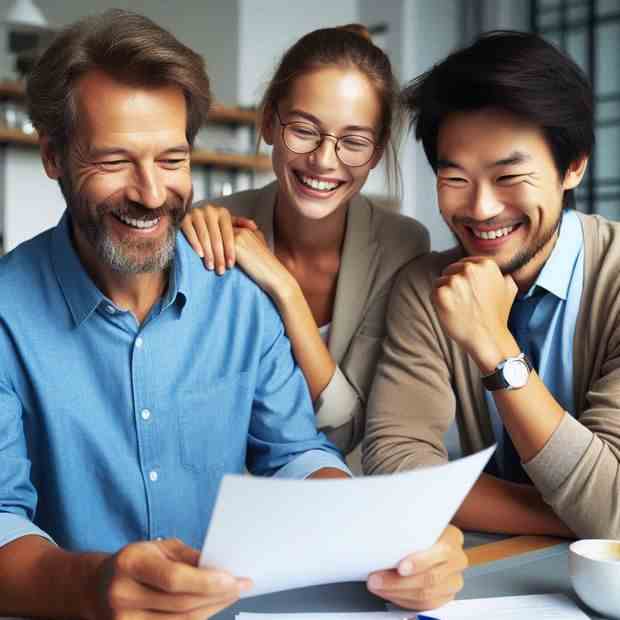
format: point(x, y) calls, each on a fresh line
point(303, 138)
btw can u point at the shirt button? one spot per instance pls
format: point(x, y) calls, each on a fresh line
point(146, 414)
point(139, 342)
point(110, 309)
point(153, 476)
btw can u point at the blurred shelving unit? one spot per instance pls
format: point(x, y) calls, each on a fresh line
point(220, 115)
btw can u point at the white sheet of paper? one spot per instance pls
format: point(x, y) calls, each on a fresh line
point(296, 533)
point(538, 606)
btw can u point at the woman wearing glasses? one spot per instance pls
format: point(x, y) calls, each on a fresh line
point(326, 255)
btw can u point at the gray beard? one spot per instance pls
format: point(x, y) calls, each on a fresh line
point(120, 258)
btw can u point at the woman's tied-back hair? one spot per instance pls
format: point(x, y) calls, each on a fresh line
point(514, 71)
point(348, 46)
point(129, 48)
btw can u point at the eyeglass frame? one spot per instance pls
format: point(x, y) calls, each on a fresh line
point(323, 135)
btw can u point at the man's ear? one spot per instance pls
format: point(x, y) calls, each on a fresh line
point(50, 158)
point(575, 173)
point(266, 127)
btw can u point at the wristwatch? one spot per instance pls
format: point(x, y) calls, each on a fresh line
point(510, 374)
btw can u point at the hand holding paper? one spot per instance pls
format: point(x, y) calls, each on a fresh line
point(289, 533)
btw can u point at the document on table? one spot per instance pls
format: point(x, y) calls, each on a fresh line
point(538, 606)
point(295, 533)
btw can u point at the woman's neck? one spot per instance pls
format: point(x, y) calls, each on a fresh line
point(299, 236)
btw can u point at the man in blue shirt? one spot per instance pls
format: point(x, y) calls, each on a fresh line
point(131, 381)
point(512, 336)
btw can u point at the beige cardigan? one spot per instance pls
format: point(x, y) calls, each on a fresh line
point(424, 379)
point(377, 244)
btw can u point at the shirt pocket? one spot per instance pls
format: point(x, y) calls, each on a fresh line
point(214, 423)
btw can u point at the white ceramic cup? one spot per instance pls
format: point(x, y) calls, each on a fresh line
point(594, 567)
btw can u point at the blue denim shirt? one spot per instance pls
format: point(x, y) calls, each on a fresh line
point(112, 431)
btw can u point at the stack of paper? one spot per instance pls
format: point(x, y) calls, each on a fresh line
point(536, 606)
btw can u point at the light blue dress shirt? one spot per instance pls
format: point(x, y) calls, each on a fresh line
point(551, 328)
point(112, 431)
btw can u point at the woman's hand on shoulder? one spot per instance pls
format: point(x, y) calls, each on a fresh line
point(210, 231)
point(256, 258)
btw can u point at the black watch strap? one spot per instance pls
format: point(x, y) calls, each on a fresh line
point(496, 380)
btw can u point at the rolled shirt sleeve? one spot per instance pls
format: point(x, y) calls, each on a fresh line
point(309, 462)
point(14, 526)
point(18, 497)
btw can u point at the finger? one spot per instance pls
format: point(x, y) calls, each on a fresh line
point(433, 578)
point(215, 235)
point(448, 549)
point(228, 239)
point(176, 549)
point(244, 222)
point(511, 285)
point(149, 565)
point(261, 237)
point(416, 590)
point(200, 226)
point(190, 233)
point(127, 594)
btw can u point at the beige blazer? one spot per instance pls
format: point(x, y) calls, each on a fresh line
point(377, 244)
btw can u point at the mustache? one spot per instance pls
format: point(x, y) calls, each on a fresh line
point(173, 207)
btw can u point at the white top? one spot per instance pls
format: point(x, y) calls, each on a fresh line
point(324, 332)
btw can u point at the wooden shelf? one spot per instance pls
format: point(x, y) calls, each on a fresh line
point(258, 163)
point(17, 136)
point(14, 90)
point(201, 157)
point(219, 113)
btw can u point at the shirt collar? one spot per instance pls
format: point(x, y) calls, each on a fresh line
point(557, 272)
point(80, 292)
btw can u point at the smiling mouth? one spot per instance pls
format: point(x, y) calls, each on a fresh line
point(497, 233)
point(139, 224)
point(317, 185)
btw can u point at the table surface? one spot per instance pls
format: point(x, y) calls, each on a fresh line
point(499, 566)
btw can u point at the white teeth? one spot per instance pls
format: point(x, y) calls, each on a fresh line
point(138, 223)
point(317, 184)
point(493, 234)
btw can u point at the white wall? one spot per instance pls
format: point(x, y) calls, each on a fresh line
point(32, 202)
point(208, 26)
point(432, 30)
point(267, 29)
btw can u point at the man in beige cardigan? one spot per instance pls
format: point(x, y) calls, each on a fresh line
point(513, 337)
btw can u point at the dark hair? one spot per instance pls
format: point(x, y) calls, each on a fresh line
point(515, 71)
point(345, 46)
point(128, 47)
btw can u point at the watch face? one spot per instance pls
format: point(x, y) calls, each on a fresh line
point(515, 372)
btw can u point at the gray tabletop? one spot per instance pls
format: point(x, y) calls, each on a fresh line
point(538, 572)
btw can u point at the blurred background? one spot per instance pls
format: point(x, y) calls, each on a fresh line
point(242, 40)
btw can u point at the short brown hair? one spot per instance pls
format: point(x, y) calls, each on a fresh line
point(128, 47)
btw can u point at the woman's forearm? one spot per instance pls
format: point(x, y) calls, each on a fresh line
point(310, 351)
